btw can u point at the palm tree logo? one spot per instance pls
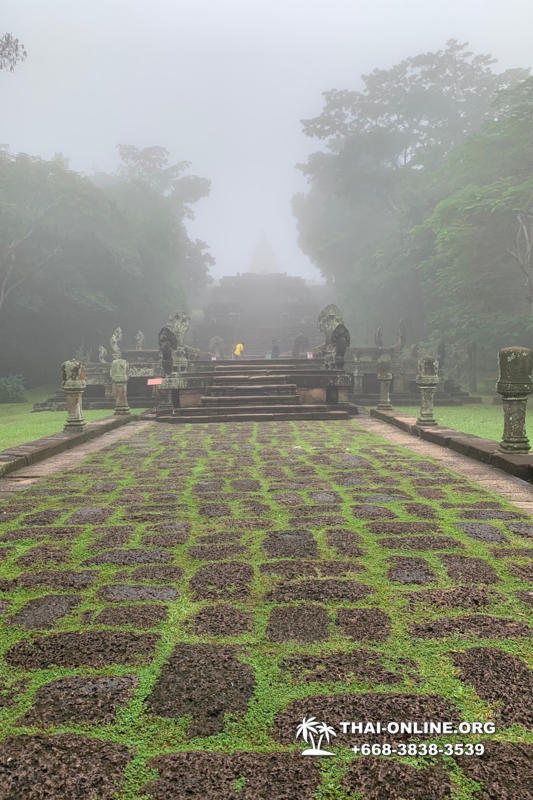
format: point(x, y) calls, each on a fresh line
point(308, 729)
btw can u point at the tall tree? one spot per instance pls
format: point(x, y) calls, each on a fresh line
point(47, 213)
point(79, 256)
point(418, 109)
point(160, 197)
point(12, 52)
point(374, 181)
point(478, 273)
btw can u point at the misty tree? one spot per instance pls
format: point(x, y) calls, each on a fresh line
point(159, 196)
point(64, 256)
point(379, 176)
point(78, 256)
point(40, 203)
point(419, 109)
point(478, 270)
point(12, 52)
point(522, 250)
point(149, 166)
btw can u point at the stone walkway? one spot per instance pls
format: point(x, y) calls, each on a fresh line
point(24, 478)
point(176, 603)
point(516, 491)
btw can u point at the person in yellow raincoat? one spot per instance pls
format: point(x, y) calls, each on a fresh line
point(239, 350)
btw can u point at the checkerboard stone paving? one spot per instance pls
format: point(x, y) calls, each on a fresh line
point(175, 604)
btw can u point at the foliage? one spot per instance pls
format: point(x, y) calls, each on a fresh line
point(79, 256)
point(420, 107)
point(12, 389)
point(478, 272)
point(11, 52)
point(392, 216)
point(150, 167)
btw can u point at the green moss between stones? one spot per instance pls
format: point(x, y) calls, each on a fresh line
point(162, 453)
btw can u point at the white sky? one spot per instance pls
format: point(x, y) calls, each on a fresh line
point(224, 85)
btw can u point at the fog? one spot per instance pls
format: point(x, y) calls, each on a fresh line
point(224, 85)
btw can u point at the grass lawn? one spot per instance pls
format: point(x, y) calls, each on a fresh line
point(19, 425)
point(482, 420)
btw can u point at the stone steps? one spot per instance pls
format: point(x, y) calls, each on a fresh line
point(180, 417)
point(250, 399)
point(268, 366)
point(248, 389)
point(263, 377)
point(261, 363)
point(258, 408)
point(259, 390)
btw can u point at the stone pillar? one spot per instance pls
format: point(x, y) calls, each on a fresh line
point(165, 406)
point(73, 383)
point(427, 379)
point(514, 385)
point(119, 372)
point(385, 379)
point(170, 384)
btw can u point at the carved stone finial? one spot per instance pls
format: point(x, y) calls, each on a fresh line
point(119, 370)
point(73, 374)
point(114, 341)
point(139, 340)
point(102, 354)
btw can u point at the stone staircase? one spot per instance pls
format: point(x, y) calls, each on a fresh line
point(257, 390)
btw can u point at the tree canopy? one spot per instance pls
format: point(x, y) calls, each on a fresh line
point(79, 256)
point(11, 52)
point(418, 202)
point(478, 271)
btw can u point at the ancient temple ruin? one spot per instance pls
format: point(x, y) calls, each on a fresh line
point(298, 360)
point(256, 309)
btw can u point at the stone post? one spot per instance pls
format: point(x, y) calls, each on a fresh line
point(165, 405)
point(427, 379)
point(119, 372)
point(171, 383)
point(514, 385)
point(73, 384)
point(385, 379)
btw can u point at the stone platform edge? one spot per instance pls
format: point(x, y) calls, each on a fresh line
point(485, 450)
point(31, 452)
